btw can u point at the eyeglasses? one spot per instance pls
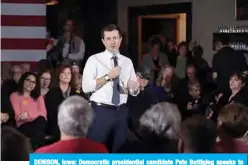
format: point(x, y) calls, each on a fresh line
point(46, 79)
point(30, 81)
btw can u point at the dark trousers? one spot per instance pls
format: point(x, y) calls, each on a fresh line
point(109, 122)
point(35, 130)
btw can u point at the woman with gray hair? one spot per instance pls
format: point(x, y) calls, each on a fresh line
point(74, 118)
point(159, 130)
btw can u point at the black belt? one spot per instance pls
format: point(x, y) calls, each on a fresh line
point(107, 105)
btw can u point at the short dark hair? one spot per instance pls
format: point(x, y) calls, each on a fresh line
point(14, 145)
point(110, 27)
point(182, 44)
point(36, 91)
point(155, 41)
point(42, 72)
point(223, 39)
point(62, 68)
point(199, 134)
point(239, 76)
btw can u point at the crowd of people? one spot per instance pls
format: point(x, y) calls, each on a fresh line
point(173, 103)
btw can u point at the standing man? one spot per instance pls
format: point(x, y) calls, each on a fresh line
point(226, 62)
point(110, 77)
point(69, 47)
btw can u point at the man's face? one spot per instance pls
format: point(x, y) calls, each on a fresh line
point(17, 73)
point(68, 25)
point(155, 49)
point(183, 50)
point(191, 73)
point(112, 41)
point(171, 46)
point(195, 92)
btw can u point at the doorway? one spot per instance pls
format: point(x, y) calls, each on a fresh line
point(136, 15)
point(173, 25)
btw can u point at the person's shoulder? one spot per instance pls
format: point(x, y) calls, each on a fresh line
point(46, 149)
point(40, 98)
point(14, 95)
point(98, 147)
point(93, 56)
point(124, 58)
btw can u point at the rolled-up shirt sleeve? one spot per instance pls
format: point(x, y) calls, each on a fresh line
point(80, 54)
point(74, 56)
point(89, 76)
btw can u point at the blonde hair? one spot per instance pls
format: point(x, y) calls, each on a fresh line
point(159, 81)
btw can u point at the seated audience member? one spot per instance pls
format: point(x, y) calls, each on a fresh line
point(172, 52)
point(14, 145)
point(191, 77)
point(159, 131)
point(198, 135)
point(45, 81)
point(5, 71)
point(77, 84)
point(25, 67)
point(167, 82)
point(233, 129)
point(75, 68)
point(183, 60)
point(137, 105)
point(8, 87)
point(55, 96)
point(238, 92)
point(194, 104)
point(74, 118)
point(29, 108)
point(154, 59)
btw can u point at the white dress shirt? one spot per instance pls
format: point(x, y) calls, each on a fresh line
point(74, 56)
point(99, 65)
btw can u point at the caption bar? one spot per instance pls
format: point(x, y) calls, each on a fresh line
point(138, 159)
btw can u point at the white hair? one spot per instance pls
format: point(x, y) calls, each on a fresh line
point(163, 119)
point(75, 116)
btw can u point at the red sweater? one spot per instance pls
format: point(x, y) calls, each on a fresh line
point(82, 145)
point(229, 145)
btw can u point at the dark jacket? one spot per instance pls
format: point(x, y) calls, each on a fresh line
point(52, 100)
point(8, 87)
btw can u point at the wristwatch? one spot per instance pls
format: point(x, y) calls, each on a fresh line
point(106, 77)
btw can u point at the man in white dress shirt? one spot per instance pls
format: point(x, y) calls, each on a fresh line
point(110, 77)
